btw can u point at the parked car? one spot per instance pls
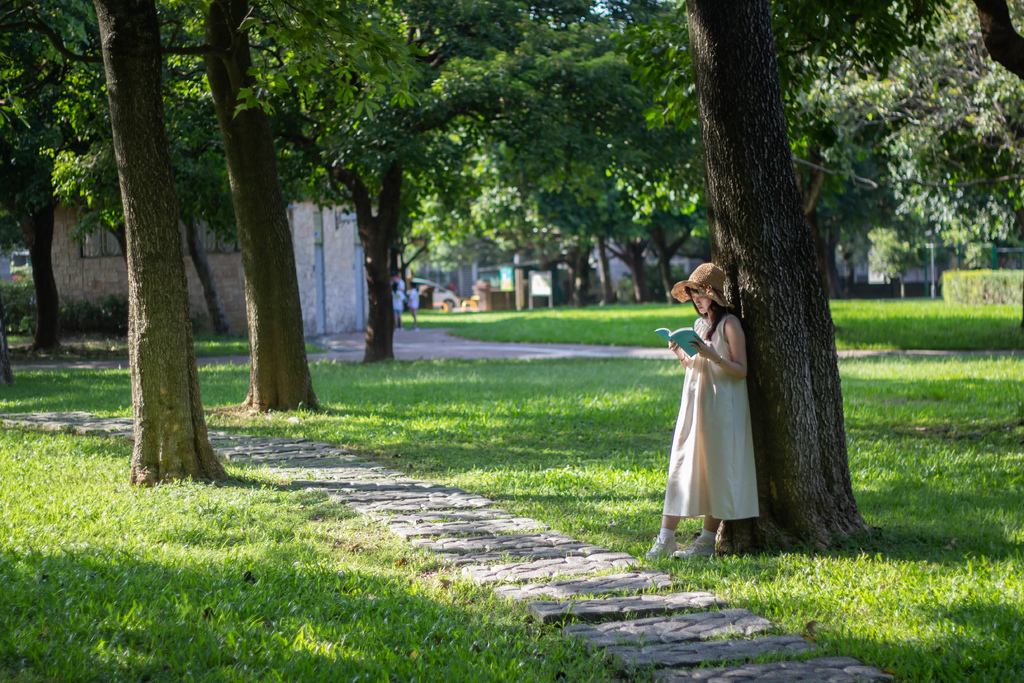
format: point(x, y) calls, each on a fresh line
point(443, 297)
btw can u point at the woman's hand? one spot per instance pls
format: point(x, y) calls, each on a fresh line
point(680, 354)
point(706, 351)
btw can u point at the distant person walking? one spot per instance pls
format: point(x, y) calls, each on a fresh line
point(397, 298)
point(711, 469)
point(412, 300)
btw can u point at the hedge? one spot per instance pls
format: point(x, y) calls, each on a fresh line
point(109, 316)
point(983, 286)
point(19, 306)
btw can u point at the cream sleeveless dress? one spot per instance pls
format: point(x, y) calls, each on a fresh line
point(711, 471)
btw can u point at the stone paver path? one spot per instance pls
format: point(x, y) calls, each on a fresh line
point(627, 614)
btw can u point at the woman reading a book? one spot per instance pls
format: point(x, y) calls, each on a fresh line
point(711, 470)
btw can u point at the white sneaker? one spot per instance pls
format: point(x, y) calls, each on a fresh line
point(702, 547)
point(659, 549)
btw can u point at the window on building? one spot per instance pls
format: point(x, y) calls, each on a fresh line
point(99, 244)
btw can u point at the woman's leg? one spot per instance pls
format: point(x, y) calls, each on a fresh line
point(669, 522)
point(710, 523)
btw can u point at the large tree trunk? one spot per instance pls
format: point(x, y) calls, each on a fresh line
point(279, 371)
point(579, 265)
point(170, 430)
point(376, 232)
point(607, 290)
point(214, 305)
point(37, 229)
point(6, 375)
point(665, 251)
point(761, 239)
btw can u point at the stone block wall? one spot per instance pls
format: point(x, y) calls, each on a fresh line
point(92, 278)
point(343, 278)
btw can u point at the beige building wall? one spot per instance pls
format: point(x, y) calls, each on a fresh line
point(95, 269)
point(330, 301)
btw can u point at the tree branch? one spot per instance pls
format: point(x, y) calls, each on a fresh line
point(54, 38)
point(355, 185)
point(913, 181)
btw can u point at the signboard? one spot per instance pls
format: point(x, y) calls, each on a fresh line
point(540, 284)
point(507, 282)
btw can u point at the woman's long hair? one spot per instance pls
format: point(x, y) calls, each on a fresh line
point(715, 314)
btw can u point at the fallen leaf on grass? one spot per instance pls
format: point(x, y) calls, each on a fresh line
point(401, 561)
point(444, 583)
point(951, 544)
point(810, 639)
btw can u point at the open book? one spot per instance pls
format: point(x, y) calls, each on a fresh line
point(683, 336)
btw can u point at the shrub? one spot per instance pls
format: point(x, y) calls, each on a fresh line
point(109, 316)
point(982, 286)
point(19, 306)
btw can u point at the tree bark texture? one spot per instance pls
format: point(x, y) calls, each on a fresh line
point(377, 231)
point(279, 371)
point(170, 430)
point(607, 291)
point(1002, 41)
point(214, 305)
point(761, 239)
point(37, 228)
point(6, 374)
point(665, 251)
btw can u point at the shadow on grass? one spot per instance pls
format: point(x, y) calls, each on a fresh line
point(91, 615)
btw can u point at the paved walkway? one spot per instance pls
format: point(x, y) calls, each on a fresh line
point(626, 614)
point(437, 344)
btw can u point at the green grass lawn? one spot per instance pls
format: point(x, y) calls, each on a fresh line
point(98, 347)
point(860, 324)
point(105, 581)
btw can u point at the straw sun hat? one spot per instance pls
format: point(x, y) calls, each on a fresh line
point(708, 279)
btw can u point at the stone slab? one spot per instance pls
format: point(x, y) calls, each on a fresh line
point(696, 653)
point(376, 484)
point(609, 584)
point(632, 606)
point(372, 504)
point(681, 628)
point(523, 554)
point(483, 544)
point(443, 516)
point(515, 572)
point(453, 498)
point(330, 470)
point(476, 529)
point(820, 670)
